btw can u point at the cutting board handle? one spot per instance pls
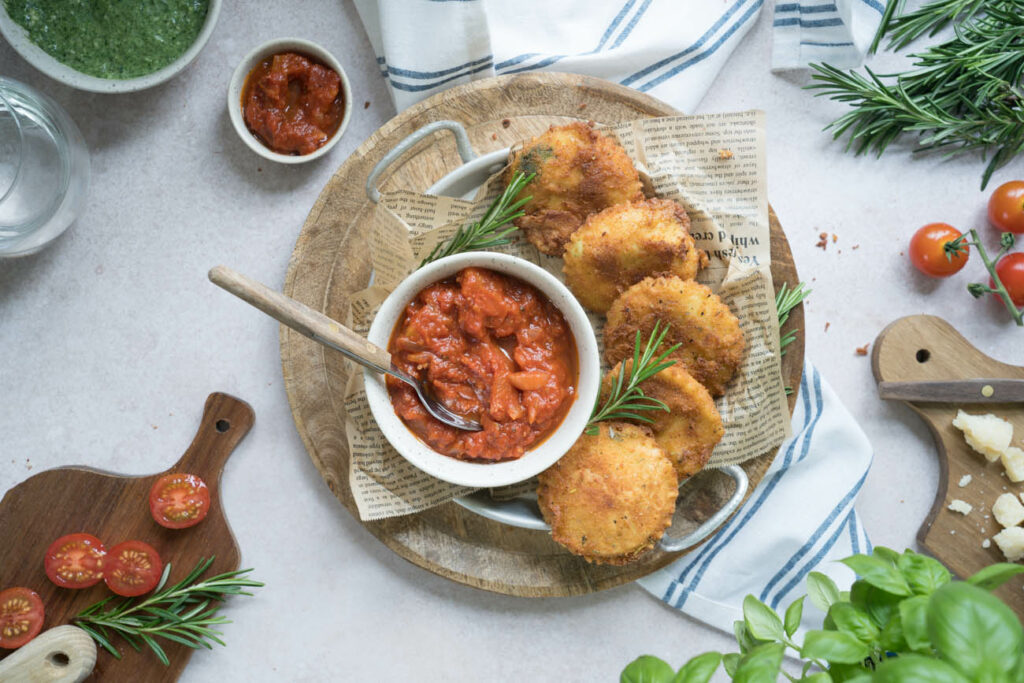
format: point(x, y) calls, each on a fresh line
point(226, 420)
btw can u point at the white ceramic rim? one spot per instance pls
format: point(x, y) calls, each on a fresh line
point(534, 461)
point(59, 71)
point(238, 82)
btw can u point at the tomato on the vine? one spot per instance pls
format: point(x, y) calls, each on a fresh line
point(1010, 270)
point(1006, 207)
point(75, 561)
point(929, 254)
point(21, 617)
point(179, 500)
point(133, 568)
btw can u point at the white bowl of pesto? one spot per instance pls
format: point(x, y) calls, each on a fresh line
point(108, 46)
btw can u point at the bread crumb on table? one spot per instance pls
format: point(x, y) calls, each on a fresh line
point(863, 350)
point(822, 241)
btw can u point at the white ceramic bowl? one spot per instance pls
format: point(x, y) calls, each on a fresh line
point(238, 82)
point(37, 57)
point(534, 461)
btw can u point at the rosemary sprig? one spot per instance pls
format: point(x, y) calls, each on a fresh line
point(785, 301)
point(978, 289)
point(183, 613)
point(627, 401)
point(490, 230)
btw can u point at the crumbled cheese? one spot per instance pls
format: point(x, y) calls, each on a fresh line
point(1008, 510)
point(963, 507)
point(965, 480)
point(1013, 462)
point(986, 543)
point(1011, 542)
point(987, 434)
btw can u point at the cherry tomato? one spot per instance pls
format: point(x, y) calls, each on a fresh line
point(928, 254)
point(1006, 207)
point(177, 501)
point(21, 617)
point(1010, 270)
point(133, 568)
point(75, 561)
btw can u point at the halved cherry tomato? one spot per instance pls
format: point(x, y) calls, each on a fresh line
point(177, 501)
point(928, 250)
point(1006, 207)
point(21, 617)
point(133, 568)
point(1010, 270)
point(75, 561)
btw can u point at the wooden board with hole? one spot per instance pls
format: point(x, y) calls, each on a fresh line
point(922, 348)
point(115, 508)
point(329, 263)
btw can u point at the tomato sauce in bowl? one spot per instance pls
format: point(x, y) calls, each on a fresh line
point(493, 348)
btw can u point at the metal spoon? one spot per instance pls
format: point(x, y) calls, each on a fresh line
point(320, 328)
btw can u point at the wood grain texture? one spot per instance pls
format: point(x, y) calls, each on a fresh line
point(926, 348)
point(330, 262)
point(115, 508)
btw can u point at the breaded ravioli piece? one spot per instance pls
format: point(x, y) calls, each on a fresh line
point(579, 172)
point(611, 497)
point(625, 243)
point(711, 341)
point(689, 432)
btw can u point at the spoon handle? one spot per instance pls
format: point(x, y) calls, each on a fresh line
point(302, 319)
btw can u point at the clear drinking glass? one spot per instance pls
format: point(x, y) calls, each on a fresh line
point(44, 169)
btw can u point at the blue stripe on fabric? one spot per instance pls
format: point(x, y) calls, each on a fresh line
point(632, 24)
point(813, 562)
point(722, 538)
point(817, 44)
point(818, 408)
point(615, 24)
point(704, 55)
point(875, 5)
point(409, 73)
point(867, 544)
point(700, 41)
point(515, 60)
point(539, 65)
point(806, 9)
point(854, 541)
point(429, 86)
point(808, 23)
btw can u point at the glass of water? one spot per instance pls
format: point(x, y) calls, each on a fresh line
point(44, 169)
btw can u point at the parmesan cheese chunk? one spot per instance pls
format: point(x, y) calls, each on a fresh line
point(1008, 510)
point(964, 480)
point(963, 507)
point(1013, 463)
point(986, 543)
point(1011, 542)
point(987, 434)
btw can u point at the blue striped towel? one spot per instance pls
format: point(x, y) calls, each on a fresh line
point(669, 49)
point(799, 519)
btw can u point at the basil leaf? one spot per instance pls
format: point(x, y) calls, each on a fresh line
point(995, 575)
point(793, 614)
point(887, 554)
point(760, 665)
point(730, 662)
point(841, 673)
point(647, 669)
point(700, 669)
point(975, 632)
point(914, 669)
point(853, 620)
point(892, 639)
point(762, 621)
point(914, 619)
point(924, 574)
point(820, 677)
point(834, 646)
point(879, 604)
point(821, 590)
point(746, 641)
point(879, 573)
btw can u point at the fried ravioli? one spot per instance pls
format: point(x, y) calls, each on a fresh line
point(579, 172)
point(711, 341)
point(692, 427)
point(611, 497)
point(623, 244)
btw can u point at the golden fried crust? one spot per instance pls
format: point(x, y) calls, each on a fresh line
point(711, 341)
point(611, 497)
point(625, 243)
point(692, 427)
point(579, 172)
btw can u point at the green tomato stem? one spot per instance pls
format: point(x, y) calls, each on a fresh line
point(999, 289)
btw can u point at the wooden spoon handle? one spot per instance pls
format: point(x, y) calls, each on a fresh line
point(65, 654)
point(302, 318)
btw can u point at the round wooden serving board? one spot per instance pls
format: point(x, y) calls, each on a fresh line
point(330, 261)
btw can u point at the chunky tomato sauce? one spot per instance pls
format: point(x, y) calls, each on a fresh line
point(494, 349)
point(292, 104)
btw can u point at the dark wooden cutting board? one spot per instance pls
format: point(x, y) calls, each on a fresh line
point(115, 508)
point(925, 348)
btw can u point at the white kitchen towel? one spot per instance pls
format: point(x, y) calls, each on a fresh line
point(670, 49)
point(799, 519)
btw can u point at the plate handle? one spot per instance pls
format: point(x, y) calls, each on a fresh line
point(461, 143)
point(711, 524)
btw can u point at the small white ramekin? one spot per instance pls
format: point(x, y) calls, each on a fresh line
point(534, 461)
point(238, 83)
